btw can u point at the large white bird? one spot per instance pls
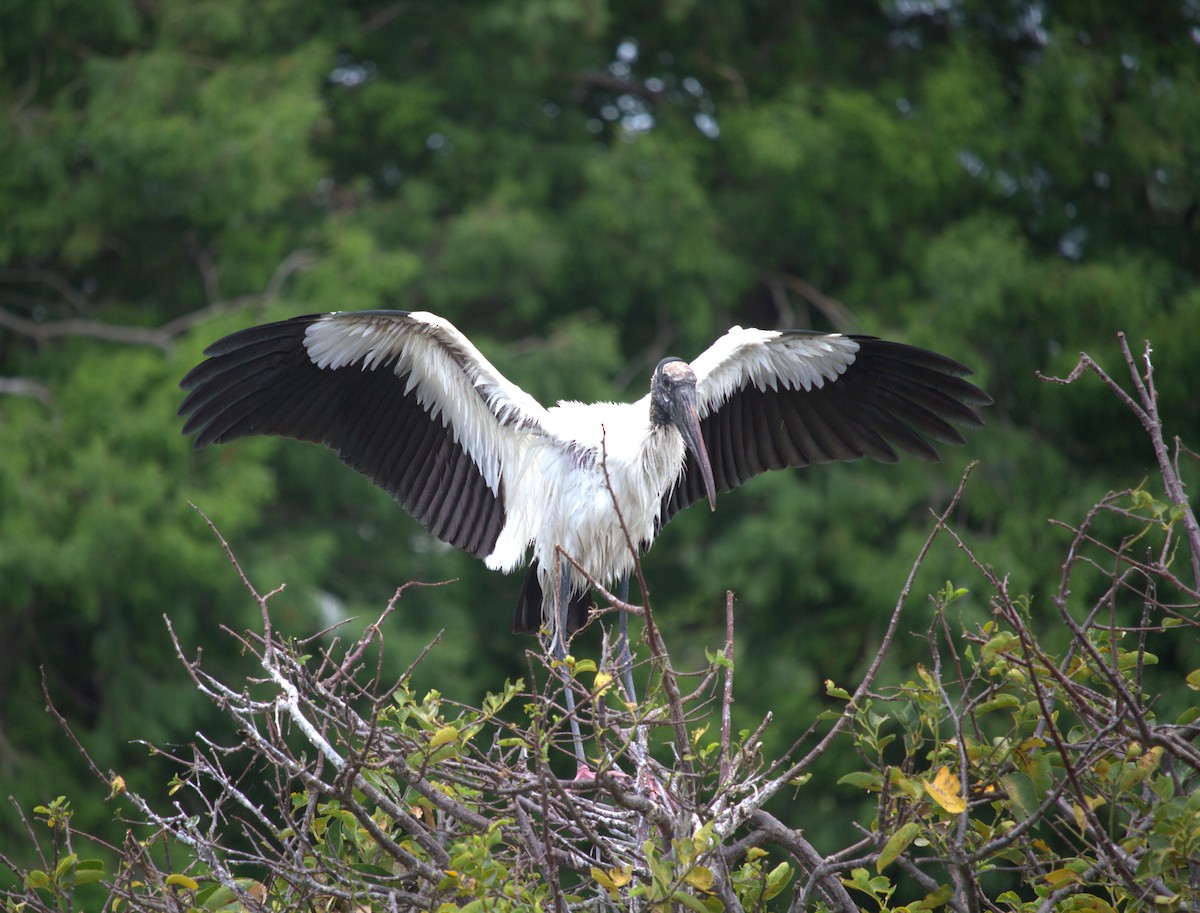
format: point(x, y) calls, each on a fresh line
point(407, 400)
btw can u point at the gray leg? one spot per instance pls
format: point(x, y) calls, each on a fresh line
point(560, 653)
point(624, 656)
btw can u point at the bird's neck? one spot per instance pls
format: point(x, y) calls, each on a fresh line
point(658, 415)
point(662, 453)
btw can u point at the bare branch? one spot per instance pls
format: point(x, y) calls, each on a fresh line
point(161, 337)
point(78, 301)
point(838, 315)
point(25, 386)
point(1146, 412)
point(61, 329)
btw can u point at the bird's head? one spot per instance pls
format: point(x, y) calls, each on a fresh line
point(673, 402)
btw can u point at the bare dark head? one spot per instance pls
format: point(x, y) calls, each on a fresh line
point(672, 376)
point(673, 402)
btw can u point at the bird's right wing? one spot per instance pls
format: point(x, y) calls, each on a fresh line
point(404, 398)
point(771, 399)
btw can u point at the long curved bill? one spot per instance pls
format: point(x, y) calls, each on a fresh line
point(689, 426)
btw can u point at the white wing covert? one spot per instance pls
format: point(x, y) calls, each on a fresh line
point(402, 397)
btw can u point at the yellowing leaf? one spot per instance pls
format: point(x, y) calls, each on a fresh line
point(1149, 761)
point(602, 682)
point(1060, 877)
point(944, 791)
point(906, 785)
point(1094, 802)
point(701, 878)
point(935, 899)
point(1134, 774)
point(442, 736)
point(612, 880)
point(182, 881)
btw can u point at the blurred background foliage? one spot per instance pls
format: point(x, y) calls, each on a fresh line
point(582, 186)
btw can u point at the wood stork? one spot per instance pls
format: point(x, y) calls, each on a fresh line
point(407, 400)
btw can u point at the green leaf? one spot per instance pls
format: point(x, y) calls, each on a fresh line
point(1021, 791)
point(999, 702)
point(65, 865)
point(861, 779)
point(689, 901)
point(777, 880)
point(834, 691)
point(1004, 642)
point(897, 844)
point(36, 878)
point(89, 871)
point(934, 899)
point(659, 871)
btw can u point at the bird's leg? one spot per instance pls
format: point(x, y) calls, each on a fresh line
point(624, 656)
point(560, 653)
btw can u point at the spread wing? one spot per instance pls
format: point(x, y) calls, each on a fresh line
point(404, 398)
point(773, 399)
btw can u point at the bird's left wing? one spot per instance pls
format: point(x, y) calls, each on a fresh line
point(402, 397)
point(770, 399)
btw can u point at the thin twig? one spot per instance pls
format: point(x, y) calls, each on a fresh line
point(727, 695)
